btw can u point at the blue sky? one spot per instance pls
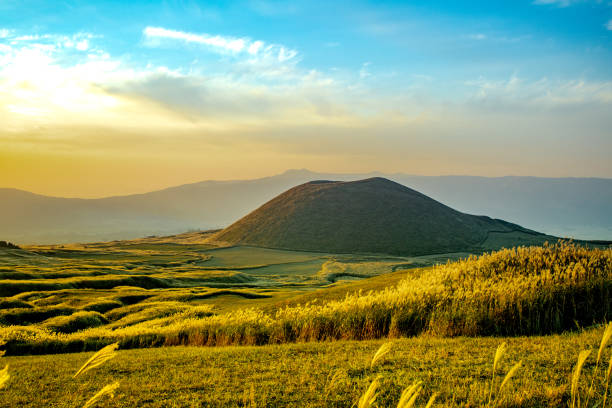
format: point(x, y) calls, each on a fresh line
point(428, 87)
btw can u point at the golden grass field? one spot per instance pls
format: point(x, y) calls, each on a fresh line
point(285, 324)
point(316, 374)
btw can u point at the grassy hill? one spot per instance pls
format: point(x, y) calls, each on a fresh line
point(568, 207)
point(374, 215)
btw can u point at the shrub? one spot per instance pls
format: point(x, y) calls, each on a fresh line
point(102, 306)
point(75, 322)
point(14, 304)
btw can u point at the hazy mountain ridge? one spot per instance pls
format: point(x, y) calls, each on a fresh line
point(575, 207)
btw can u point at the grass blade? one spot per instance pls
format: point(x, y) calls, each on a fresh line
point(431, 400)
point(108, 389)
point(608, 374)
point(4, 376)
point(584, 354)
point(382, 351)
point(604, 341)
point(370, 395)
point(605, 338)
point(99, 358)
point(499, 353)
point(501, 349)
point(510, 374)
point(410, 395)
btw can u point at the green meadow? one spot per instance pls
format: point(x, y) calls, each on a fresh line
point(314, 374)
point(289, 328)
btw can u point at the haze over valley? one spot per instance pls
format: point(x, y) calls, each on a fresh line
point(571, 207)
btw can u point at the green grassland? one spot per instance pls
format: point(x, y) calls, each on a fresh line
point(66, 289)
point(285, 323)
point(333, 374)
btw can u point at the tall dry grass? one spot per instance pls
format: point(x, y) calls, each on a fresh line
point(576, 397)
point(519, 291)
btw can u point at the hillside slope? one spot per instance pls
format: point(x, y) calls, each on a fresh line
point(374, 215)
point(569, 207)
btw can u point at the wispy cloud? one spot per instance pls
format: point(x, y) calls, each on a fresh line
point(609, 25)
point(64, 93)
point(225, 44)
point(364, 72)
point(540, 94)
point(217, 41)
point(46, 79)
point(558, 3)
point(567, 3)
point(477, 36)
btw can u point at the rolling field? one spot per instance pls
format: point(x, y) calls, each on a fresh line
point(285, 325)
point(333, 374)
point(122, 285)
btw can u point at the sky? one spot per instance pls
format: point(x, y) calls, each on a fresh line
point(113, 97)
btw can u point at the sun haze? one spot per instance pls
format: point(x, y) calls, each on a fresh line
point(101, 99)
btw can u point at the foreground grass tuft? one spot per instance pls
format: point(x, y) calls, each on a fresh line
point(99, 358)
point(106, 390)
point(454, 369)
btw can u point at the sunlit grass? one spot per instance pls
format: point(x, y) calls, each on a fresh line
point(418, 372)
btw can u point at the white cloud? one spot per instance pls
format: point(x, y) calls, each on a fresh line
point(285, 54)
point(82, 45)
point(4, 33)
point(363, 72)
point(478, 36)
point(255, 47)
point(558, 3)
point(540, 94)
point(224, 44)
point(46, 83)
point(263, 97)
point(217, 41)
point(567, 3)
point(28, 38)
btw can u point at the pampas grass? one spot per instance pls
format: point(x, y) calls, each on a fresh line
point(368, 398)
point(584, 354)
point(4, 376)
point(383, 350)
point(99, 358)
point(499, 353)
point(335, 379)
point(582, 357)
point(608, 373)
point(501, 349)
point(431, 401)
point(106, 390)
point(410, 395)
point(510, 374)
point(605, 339)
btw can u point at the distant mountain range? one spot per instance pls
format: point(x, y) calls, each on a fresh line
point(374, 215)
point(570, 207)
